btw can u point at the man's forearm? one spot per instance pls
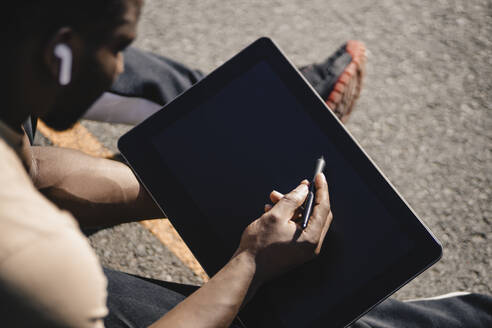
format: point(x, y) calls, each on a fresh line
point(97, 191)
point(217, 302)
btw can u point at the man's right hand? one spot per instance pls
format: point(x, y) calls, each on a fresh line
point(277, 241)
point(272, 244)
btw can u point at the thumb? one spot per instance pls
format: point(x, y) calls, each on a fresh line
point(288, 204)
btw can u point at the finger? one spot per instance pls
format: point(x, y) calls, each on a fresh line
point(275, 196)
point(286, 207)
point(321, 187)
point(321, 209)
point(268, 207)
point(325, 230)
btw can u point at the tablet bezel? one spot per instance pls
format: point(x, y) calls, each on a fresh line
point(138, 150)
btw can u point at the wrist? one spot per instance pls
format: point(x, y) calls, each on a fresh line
point(247, 261)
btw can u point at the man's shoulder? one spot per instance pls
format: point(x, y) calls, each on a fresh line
point(44, 258)
point(26, 216)
point(11, 168)
point(23, 209)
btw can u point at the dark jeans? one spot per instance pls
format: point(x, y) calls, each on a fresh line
point(153, 77)
point(138, 302)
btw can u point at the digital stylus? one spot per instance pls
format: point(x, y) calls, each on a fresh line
point(308, 204)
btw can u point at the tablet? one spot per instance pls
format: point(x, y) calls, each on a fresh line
point(211, 157)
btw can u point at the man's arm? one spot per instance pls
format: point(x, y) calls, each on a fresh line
point(270, 245)
point(97, 191)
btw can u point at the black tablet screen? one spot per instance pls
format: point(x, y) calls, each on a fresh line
point(254, 136)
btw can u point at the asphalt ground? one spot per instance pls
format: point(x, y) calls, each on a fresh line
point(424, 115)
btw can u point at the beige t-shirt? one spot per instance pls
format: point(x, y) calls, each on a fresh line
point(49, 274)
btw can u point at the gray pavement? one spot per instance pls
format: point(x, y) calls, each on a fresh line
point(132, 248)
point(424, 115)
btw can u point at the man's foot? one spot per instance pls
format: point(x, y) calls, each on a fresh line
point(338, 79)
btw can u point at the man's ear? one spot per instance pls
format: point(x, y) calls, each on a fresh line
point(61, 54)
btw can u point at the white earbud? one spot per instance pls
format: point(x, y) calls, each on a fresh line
point(64, 52)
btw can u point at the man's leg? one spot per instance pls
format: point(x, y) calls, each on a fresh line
point(465, 310)
point(138, 302)
point(148, 82)
point(151, 81)
point(153, 77)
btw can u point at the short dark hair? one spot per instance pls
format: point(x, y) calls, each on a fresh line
point(44, 17)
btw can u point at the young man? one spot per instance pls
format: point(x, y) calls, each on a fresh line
point(49, 276)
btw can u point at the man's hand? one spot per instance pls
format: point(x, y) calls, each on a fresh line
point(276, 239)
point(272, 244)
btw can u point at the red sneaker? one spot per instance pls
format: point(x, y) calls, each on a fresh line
point(338, 80)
